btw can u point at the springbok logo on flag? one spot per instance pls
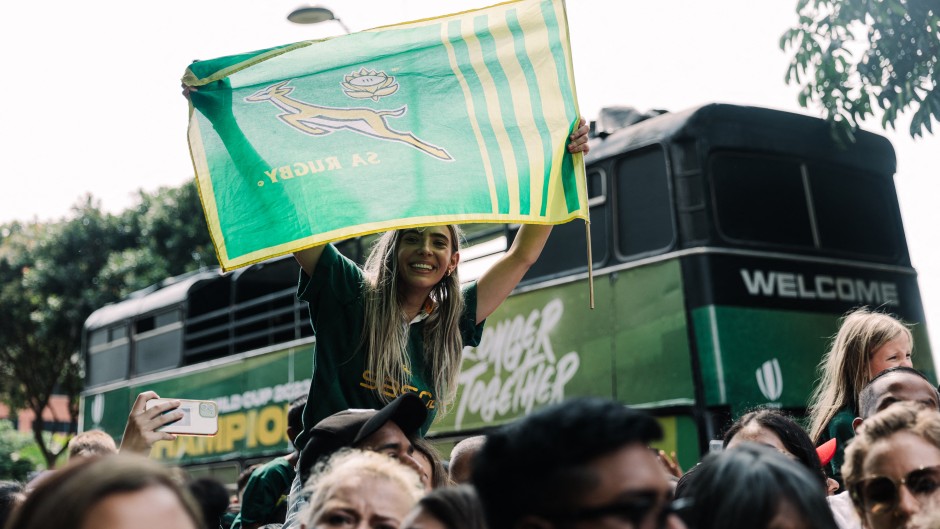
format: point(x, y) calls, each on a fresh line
point(769, 380)
point(317, 120)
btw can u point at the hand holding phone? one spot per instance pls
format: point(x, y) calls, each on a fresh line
point(199, 417)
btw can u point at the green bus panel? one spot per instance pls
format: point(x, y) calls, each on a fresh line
point(538, 348)
point(764, 357)
point(546, 345)
point(253, 395)
point(652, 361)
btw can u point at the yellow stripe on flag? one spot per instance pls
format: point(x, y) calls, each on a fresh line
point(536, 40)
point(471, 112)
point(491, 96)
point(525, 115)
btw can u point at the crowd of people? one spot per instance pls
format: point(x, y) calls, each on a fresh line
point(581, 463)
point(870, 457)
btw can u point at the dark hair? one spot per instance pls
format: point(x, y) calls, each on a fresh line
point(212, 499)
point(536, 465)
point(745, 486)
point(867, 397)
point(439, 476)
point(456, 507)
point(295, 415)
point(10, 493)
point(245, 476)
point(794, 438)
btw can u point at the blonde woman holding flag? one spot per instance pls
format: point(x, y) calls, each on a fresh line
point(400, 324)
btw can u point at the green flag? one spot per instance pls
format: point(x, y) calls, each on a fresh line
point(462, 118)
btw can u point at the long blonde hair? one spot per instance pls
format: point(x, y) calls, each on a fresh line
point(385, 331)
point(845, 368)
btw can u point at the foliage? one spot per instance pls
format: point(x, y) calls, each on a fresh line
point(851, 56)
point(54, 275)
point(12, 443)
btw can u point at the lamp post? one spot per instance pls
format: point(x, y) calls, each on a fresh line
point(314, 15)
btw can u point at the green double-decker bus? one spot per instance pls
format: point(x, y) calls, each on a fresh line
point(727, 241)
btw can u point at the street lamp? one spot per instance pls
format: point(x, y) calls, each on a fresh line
point(314, 15)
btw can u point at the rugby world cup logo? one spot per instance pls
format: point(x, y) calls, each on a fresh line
point(97, 409)
point(769, 380)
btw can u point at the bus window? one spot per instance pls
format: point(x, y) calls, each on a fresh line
point(853, 212)
point(644, 205)
point(760, 199)
point(566, 249)
point(98, 337)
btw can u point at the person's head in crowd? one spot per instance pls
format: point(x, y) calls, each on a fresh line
point(892, 466)
point(447, 508)
point(92, 443)
point(212, 499)
point(355, 488)
point(898, 384)
point(432, 470)
point(461, 458)
point(754, 486)
point(11, 495)
point(868, 342)
point(389, 431)
point(242, 481)
point(579, 463)
point(113, 492)
point(295, 414)
point(776, 430)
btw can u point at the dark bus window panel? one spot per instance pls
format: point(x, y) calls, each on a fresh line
point(760, 199)
point(853, 212)
point(595, 184)
point(108, 365)
point(644, 210)
point(145, 324)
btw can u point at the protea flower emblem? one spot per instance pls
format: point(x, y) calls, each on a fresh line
point(369, 84)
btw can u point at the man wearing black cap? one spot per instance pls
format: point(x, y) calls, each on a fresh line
point(387, 431)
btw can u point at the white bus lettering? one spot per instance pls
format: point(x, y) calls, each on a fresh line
point(797, 286)
point(526, 371)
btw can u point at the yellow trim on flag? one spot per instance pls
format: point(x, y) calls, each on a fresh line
point(197, 153)
point(471, 113)
point(491, 96)
point(580, 172)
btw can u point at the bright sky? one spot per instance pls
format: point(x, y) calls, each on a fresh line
point(91, 98)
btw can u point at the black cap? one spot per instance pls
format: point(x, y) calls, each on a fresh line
point(348, 428)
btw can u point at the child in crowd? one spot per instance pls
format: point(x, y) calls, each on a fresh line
point(868, 342)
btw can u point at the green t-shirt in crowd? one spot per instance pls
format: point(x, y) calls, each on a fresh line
point(340, 379)
point(840, 429)
point(265, 492)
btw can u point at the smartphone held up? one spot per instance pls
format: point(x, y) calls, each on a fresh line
point(200, 417)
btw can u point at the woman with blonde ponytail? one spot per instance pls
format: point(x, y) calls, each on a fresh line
point(401, 324)
point(868, 342)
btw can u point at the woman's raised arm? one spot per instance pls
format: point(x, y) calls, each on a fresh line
point(308, 258)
